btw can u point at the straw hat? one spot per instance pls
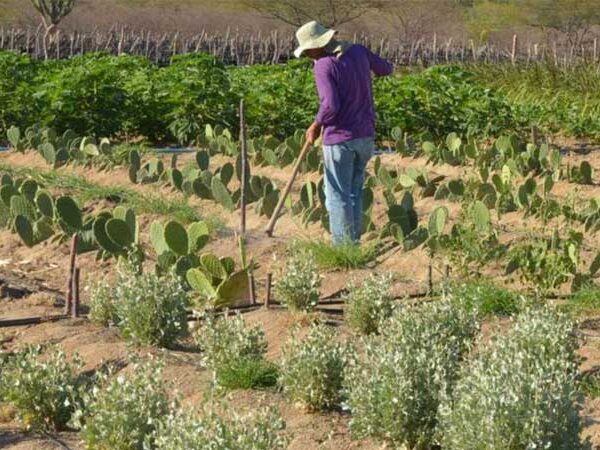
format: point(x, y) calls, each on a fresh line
point(312, 35)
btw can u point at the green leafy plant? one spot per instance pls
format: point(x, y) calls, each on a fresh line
point(43, 386)
point(487, 298)
point(345, 256)
point(298, 282)
point(147, 308)
point(394, 391)
point(191, 430)
point(312, 368)
point(248, 373)
point(520, 392)
point(123, 411)
point(546, 262)
point(229, 341)
point(369, 303)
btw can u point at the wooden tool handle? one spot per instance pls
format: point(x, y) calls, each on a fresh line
point(286, 191)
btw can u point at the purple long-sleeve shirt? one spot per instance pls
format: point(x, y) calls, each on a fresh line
point(345, 90)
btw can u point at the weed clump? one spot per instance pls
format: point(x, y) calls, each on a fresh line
point(487, 298)
point(347, 255)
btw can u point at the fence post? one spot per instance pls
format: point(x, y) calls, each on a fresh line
point(513, 53)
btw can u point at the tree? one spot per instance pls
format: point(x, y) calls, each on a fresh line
point(412, 19)
point(52, 12)
point(572, 18)
point(330, 13)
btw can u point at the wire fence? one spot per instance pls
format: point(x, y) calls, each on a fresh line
point(238, 48)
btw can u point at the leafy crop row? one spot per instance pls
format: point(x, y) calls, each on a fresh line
point(128, 97)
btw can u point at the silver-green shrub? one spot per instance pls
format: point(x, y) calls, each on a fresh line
point(43, 388)
point(520, 392)
point(394, 389)
point(122, 411)
point(298, 284)
point(369, 303)
point(102, 304)
point(225, 340)
point(312, 367)
point(147, 308)
point(209, 431)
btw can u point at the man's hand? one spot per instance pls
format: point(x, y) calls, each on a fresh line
point(313, 133)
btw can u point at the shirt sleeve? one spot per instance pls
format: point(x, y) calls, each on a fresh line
point(379, 66)
point(328, 94)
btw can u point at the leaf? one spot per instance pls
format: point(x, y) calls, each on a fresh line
point(437, 221)
point(595, 265)
point(176, 238)
point(200, 283)
point(198, 236)
point(481, 216)
point(213, 266)
point(157, 238)
point(234, 289)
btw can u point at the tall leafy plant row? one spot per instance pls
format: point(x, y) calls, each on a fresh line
point(125, 96)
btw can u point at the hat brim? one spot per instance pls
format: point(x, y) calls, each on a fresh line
point(319, 42)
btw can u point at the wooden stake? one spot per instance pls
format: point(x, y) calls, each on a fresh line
point(269, 283)
point(75, 310)
point(430, 278)
point(252, 287)
point(244, 181)
point(71, 274)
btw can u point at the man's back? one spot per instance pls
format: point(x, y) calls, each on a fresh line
point(345, 89)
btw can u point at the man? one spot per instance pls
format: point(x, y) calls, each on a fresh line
point(346, 118)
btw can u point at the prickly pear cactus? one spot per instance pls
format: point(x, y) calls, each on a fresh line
point(221, 194)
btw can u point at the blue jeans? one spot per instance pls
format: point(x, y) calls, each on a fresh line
point(345, 166)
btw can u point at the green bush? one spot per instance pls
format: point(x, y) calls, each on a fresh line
point(312, 368)
point(102, 303)
point(188, 430)
point(297, 285)
point(248, 373)
point(345, 256)
point(394, 390)
point(147, 308)
point(195, 90)
point(369, 303)
point(122, 412)
point(279, 98)
point(43, 388)
point(17, 102)
point(520, 392)
point(420, 103)
point(487, 298)
point(584, 301)
point(227, 340)
point(87, 94)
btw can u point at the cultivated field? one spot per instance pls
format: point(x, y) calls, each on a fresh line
point(468, 318)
